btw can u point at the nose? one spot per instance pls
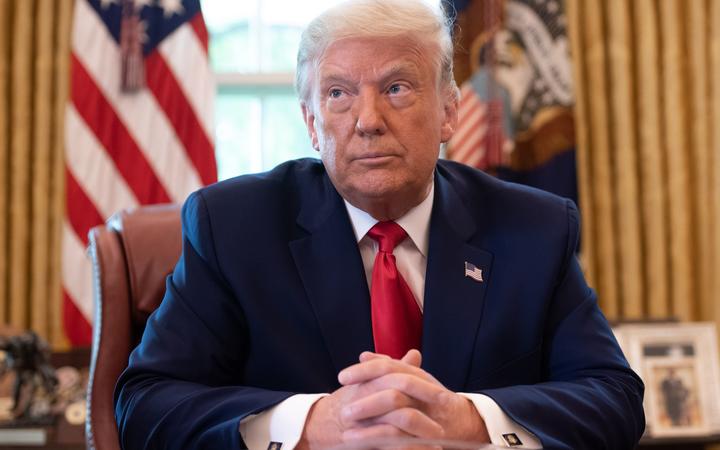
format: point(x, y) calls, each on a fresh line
point(370, 119)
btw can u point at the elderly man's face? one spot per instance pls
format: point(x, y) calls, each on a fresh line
point(377, 116)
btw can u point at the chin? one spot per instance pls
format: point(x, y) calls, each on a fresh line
point(378, 190)
point(389, 194)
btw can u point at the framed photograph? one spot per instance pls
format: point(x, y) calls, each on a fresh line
point(679, 364)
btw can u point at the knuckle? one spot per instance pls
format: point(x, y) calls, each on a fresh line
point(407, 418)
point(405, 382)
point(381, 364)
point(396, 398)
point(445, 398)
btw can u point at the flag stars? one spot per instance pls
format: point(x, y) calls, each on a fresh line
point(171, 7)
point(140, 4)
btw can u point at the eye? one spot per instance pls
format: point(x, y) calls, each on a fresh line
point(396, 89)
point(335, 93)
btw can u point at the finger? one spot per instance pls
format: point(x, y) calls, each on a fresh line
point(412, 357)
point(410, 385)
point(374, 405)
point(410, 421)
point(367, 356)
point(372, 432)
point(377, 367)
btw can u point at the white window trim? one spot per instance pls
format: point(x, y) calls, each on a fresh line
point(265, 79)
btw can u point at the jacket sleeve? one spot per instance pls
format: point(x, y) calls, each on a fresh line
point(183, 384)
point(589, 397)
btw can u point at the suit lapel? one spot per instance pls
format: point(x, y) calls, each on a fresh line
point(332, 273)
point(453, 301)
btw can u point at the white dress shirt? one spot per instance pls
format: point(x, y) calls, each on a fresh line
point(285, 421)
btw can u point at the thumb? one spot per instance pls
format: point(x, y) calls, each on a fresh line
point(412, 357)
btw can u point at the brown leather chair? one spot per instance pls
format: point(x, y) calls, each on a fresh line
point(132, 255)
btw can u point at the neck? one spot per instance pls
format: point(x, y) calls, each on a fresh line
point(385, 210)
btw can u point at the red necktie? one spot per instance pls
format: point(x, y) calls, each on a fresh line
point(396, 317)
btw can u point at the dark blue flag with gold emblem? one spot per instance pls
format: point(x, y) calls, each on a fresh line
point(515, 115)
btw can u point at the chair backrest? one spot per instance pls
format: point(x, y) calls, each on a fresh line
point(132, 255)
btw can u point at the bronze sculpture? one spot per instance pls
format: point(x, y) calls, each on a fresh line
point(28, 357)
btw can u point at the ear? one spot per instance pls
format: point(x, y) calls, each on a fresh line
point(309, 119)
point(450, 117)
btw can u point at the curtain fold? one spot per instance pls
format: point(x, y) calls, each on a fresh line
point(710, 308)
point(4, 152)
point(34, 49)
point(651, 173)
point(624, 160)
point(647, 76)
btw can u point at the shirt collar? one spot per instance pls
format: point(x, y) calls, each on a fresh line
point(415, 222)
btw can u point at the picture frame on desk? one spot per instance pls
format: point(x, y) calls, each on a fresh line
point(679, 364)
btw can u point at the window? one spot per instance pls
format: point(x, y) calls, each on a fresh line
point(252, 51)
point(253, 45)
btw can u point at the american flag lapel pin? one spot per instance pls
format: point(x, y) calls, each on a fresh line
point(473, 272)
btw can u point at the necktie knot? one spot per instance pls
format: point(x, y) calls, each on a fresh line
point(387, 235)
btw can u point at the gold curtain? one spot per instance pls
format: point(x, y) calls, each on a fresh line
point(647, 76)
point(34, 49)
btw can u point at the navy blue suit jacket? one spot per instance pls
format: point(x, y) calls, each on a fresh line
point(269, 299)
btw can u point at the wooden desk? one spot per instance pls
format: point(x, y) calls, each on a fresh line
point(60, 436)
point(686, 443)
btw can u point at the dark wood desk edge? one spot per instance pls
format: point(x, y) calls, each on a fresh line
point(690, 440)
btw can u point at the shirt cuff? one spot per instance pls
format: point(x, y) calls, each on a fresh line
point(503, 431)
point(282, 424)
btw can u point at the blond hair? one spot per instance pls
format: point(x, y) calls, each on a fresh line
point(377, 18)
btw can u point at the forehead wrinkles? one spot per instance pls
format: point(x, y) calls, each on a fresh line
point(351, 58)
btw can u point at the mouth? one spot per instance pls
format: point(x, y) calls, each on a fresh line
point(375, 157)
point(375, 160)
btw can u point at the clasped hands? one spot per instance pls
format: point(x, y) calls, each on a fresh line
point(384, 397)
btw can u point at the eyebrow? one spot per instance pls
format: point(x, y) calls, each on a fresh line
point(402, 69)
point(334, 78)
point(406, 69)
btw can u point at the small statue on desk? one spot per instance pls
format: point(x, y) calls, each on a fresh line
point(28, 357)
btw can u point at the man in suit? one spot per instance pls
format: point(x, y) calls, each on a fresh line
point(379, 292)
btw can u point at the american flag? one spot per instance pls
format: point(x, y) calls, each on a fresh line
point(483, 135)
point(480, 138)
point(138, 124)
point(473, 272)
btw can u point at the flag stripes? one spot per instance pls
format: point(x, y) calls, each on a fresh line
point(179, 51)
point(76, 270)
point(479, 140)
point(198, 25)
point(124, 149)
point(81, 212)
point(115, 139)
point(77, 327)
point(187, 127)
point(91, 165)
point(466, 144)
